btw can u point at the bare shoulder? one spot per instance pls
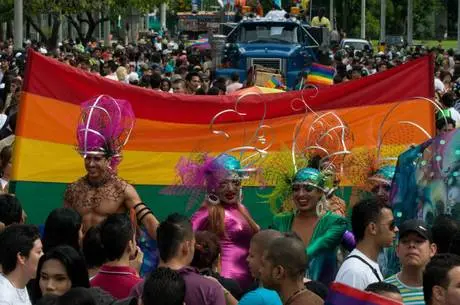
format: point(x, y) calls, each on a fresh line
point(72, 191)
point(131, 196)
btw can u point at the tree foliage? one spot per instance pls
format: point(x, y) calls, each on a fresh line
point(83, 15)
point(348, 13)
point(6, 10)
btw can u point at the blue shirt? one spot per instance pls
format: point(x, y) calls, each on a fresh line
point(261, 296)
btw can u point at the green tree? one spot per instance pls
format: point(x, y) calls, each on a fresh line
point(349, 14)
point(83, 15)
point(6, 15)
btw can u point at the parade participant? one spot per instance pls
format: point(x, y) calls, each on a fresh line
point(320, 230)
point(303, 189)
point(321, 20)
point(381, 181)
point(103, 130)
point(222, 212)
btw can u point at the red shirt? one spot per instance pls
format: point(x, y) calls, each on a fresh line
point(118, 281)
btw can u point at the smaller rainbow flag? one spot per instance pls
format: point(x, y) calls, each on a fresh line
point(340, 294)
point(320, 75)
point(275, 83)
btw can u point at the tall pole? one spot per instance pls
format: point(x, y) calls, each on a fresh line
point(18, 24)
point(363, 19)
point(107, 41)
point(383, 19)
point(311, 10)
point(60, 32)
point(458, 27)
point(99, 28)
point(163, 15)
point(410, 21)
point(331, 13)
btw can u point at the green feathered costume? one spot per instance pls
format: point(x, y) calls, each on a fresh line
point(328, 232)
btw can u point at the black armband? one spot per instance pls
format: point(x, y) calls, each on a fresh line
point(142, 212)
point(145, 214)
point(138, 205)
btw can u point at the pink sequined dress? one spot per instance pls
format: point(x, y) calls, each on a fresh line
point(234, 246)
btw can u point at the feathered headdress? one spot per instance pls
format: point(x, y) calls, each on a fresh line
point(104, 127)
point(367, 166)
point(320, 143)
point(201, 173)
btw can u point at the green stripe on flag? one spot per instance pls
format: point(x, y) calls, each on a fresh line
point(40, 198)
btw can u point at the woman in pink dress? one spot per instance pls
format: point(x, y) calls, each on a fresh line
point(222, 211)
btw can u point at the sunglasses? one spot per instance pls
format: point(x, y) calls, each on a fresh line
point(391, 225)
point(306, 187)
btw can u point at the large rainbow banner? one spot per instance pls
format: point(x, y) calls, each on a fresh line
point(169, 126)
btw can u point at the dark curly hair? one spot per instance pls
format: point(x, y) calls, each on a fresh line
point(207, 249)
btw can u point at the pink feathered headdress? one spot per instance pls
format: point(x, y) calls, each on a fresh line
point(104, 127)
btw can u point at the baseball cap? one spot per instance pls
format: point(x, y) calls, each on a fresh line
point(416, 226)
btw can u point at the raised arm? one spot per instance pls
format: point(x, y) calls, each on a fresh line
point(334, 229)
point(143, 213)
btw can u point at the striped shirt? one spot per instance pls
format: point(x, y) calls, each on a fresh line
point(410, 295)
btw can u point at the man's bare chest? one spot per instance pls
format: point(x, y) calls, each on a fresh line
point(105, 199)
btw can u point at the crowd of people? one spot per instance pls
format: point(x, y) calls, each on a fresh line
point(93, 251)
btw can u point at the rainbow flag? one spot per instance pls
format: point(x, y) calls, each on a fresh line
point(340, 294)
point(169, 126)
point(320, 75)
point(275, 83)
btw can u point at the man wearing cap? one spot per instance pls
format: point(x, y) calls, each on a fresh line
point(415, 249)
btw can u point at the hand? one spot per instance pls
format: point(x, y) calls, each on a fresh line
point(137, 259)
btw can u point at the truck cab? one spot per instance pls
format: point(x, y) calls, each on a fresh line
point(283, 43)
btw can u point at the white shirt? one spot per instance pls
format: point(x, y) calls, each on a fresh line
point(439, 85)
point(356, 273)
point(234, 87)
point(455, 115)
point(112, 76)
point(9, 295)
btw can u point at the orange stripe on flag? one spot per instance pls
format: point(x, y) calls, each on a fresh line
point(54, 121)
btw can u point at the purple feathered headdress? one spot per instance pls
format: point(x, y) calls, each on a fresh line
point(104, 127)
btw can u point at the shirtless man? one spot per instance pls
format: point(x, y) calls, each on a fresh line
point(100, 137)
point(101, 193)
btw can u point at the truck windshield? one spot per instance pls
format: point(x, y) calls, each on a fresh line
point(267, 32)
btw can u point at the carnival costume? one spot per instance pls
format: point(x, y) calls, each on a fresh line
point(328, 138)
point(234, 243)
point(203, 176)
point(104, 128)
point(370, 168)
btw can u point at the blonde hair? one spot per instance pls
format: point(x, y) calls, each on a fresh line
point(122, 73)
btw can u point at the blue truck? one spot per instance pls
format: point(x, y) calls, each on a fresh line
point(276, 41)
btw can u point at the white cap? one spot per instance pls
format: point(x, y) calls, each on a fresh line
point(133, 76)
